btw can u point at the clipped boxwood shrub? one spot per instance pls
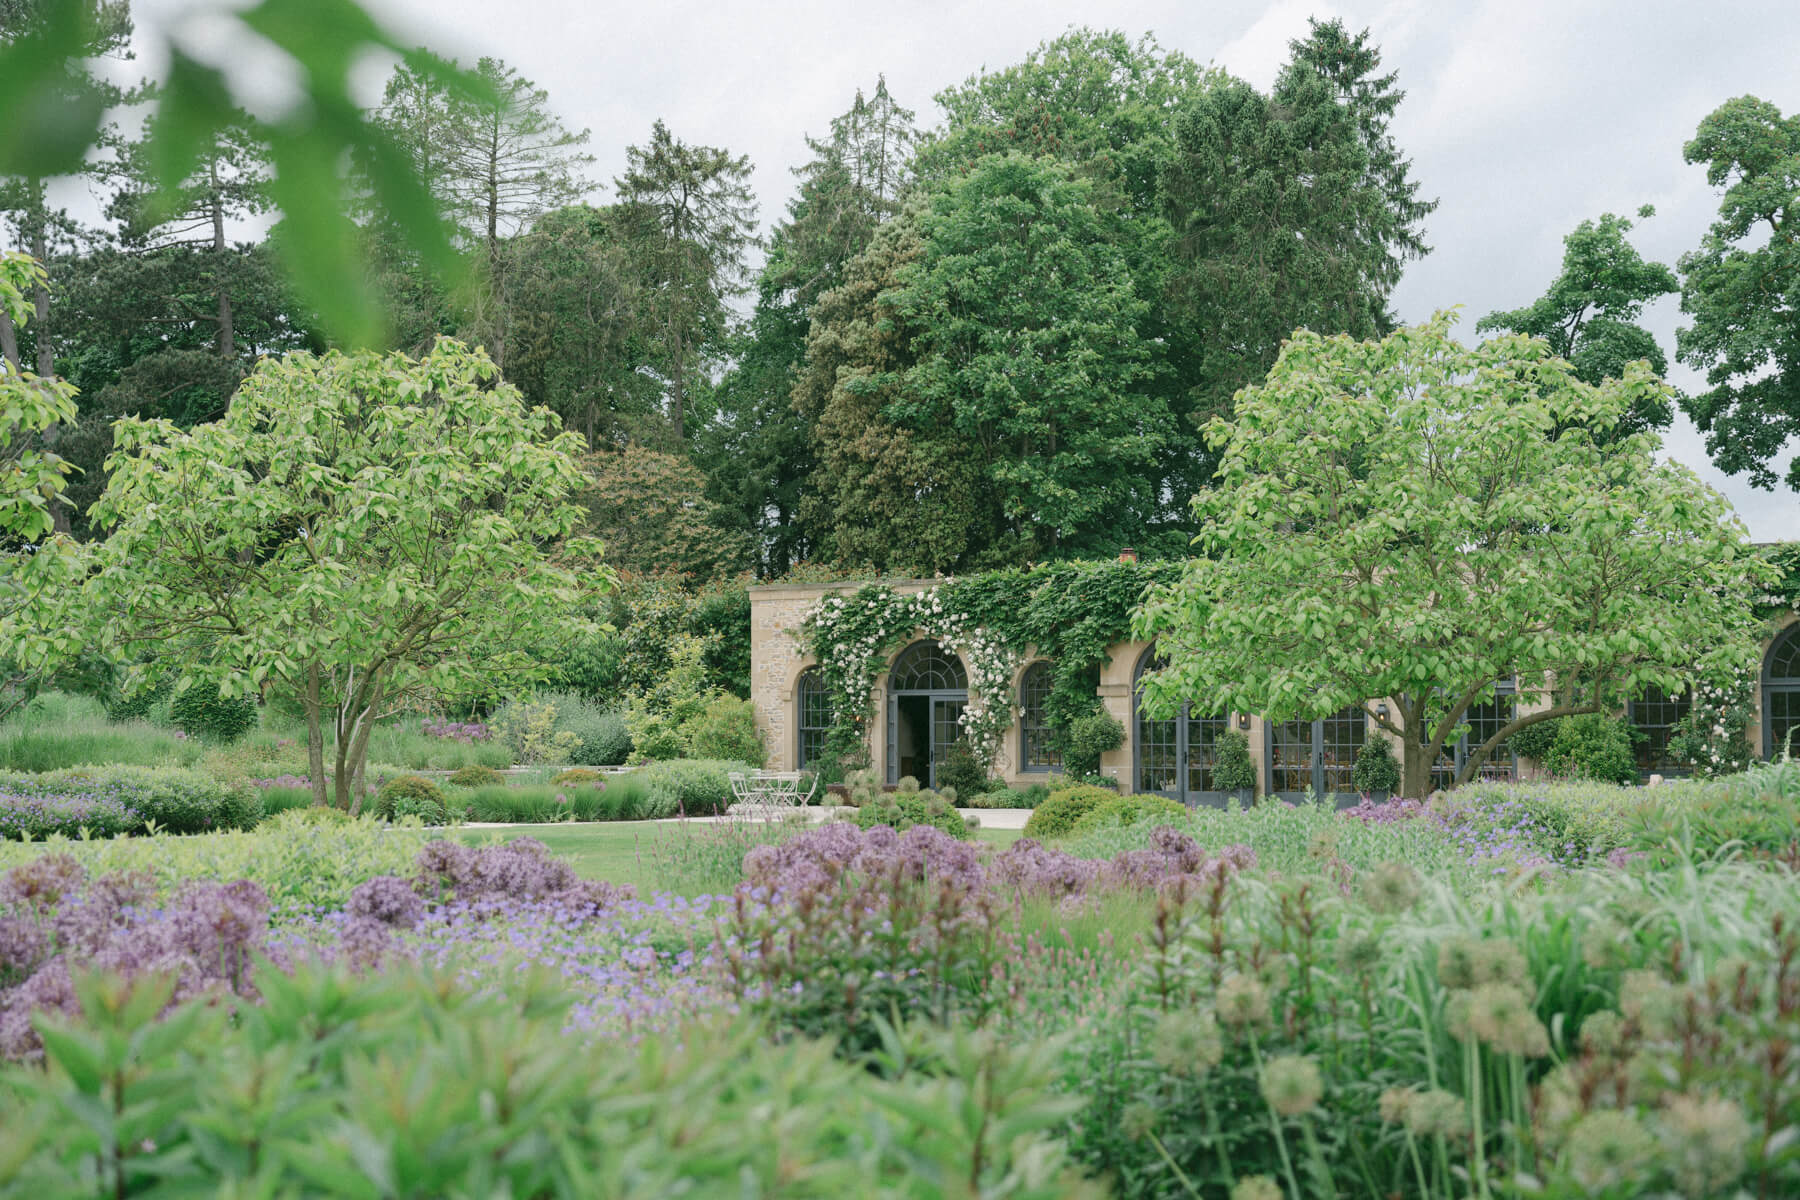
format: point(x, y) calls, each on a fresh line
point(413, 787)
point(691, 787)
point(578, 775)
point(1060, 811)
point(1130, 810)
point(476, 775)
point(202, 712)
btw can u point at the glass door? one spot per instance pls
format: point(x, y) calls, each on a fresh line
point(946, 727)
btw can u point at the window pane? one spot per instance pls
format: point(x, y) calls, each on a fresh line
point(1342, 736)
point(1034, 730)
point(1203, 738)
point(1656, 715)
point(927, 667)
point(1290, 756)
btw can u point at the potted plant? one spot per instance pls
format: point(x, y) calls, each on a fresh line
point(1234, 771)
point(1376, 774)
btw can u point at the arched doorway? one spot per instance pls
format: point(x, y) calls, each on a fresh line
point(927, 691)
point(1317, 756)
point(1781, 695)
point(1174, 757)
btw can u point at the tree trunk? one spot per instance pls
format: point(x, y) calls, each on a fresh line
point(46, 353)
point(9, 343)
point(40, 297)
point(678, 378)
point(315, 737)
point(225, 340)
point(1415, 767)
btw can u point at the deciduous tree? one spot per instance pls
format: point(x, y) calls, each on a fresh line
point(358, 529)
point(1742, 289)
point(1395, 521)
point(650, 511)
point(1589, 315)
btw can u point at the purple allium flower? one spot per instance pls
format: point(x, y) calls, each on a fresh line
point(387, 900)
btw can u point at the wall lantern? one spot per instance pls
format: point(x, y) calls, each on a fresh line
point(1128, 555)
point(1243, 720)
point(1381, 709)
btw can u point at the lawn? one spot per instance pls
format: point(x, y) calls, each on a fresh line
point(632, 851)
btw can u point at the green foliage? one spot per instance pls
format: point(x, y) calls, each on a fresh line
point(1292, 209)
point(1130, 810)
point(1058, 814)
point(1757, 812)
point(475, 775)
point(648, 509)
point(1087, 739)
point(1590, 746)
point(1741, 287)
point(660, 715)
point(204, 711)
point(902, 810)
point(1015, 267)
point(577, 775)
point(1375, 769)
point(687, 787)
point(418, 808)
point(1234, 770)
point(963, 772)
point(57, 104)
point(30, 743)
point(529, 729)
point(600, 738)
point(306, 861)
point(352, 510)
point(726, 729)
point(416, 791)
point(1006, 797)
point(687, 219)
point(980, 1119)
point(1431, 572)
point(1589, 316)
point(615, 798)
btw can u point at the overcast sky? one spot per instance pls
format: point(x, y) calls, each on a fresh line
point(1522, 116)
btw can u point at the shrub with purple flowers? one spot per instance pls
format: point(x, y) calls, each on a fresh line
point(456, 731)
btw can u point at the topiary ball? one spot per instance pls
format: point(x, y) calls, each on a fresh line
point(410, 787)
point(476, 775)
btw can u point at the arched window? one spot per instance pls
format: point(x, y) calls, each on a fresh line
point(927, 667)
point(1781, 695)
point(814, 705)
point(1035, 751)
point(1656, 714)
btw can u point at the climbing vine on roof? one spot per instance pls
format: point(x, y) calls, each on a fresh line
point(1070, 613)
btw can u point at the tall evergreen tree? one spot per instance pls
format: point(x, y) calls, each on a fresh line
point(758, 453)
point(1290, 210)
point(689, 219)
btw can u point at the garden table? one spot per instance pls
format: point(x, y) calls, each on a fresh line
point(771, 790)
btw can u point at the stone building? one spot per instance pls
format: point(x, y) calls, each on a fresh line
point(918, 702)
